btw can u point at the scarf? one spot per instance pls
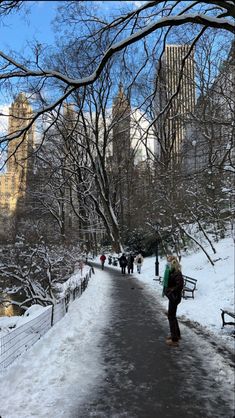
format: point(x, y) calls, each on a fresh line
point(165, 279)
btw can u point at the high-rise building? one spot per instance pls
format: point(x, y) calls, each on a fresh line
point(175, 98)
point(133, 151)
point(209, 137)
point(13, 183)
point(121, 115)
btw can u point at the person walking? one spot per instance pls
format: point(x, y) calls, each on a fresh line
point(139, 259)
point(123, 263)
point(102, 260)
point(130, 263)
point(172, 287)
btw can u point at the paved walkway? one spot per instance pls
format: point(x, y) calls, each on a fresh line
point(144, 377)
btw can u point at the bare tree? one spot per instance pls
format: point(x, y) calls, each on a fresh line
point(123, 31)
point(10, 6)
point(101, 42)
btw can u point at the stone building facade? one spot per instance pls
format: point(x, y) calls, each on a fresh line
point(13, 182)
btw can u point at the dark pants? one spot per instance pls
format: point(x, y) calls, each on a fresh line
point(174, 326)
point(123, 268)
point(130, 269)
point(102, 265)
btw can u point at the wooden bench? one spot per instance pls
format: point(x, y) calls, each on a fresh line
point(159, 279)
point(228, 313)
point(189, 287)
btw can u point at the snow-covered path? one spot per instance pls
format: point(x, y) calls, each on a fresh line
point(146, 378)
point(84, 366)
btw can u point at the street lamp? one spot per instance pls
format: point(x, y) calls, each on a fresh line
point(194, 144)
point(158, 239)
point(156, 262)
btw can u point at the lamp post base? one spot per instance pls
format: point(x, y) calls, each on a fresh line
point(156, 268)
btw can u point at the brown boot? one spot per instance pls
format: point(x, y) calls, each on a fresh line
point(172, 343)
point(169, 338)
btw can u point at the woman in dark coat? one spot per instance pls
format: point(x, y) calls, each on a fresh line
point(123, 263)
point(173, 285)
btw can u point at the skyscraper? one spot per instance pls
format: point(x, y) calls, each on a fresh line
point(13, 183)
point(175, 98)
point(121, 114)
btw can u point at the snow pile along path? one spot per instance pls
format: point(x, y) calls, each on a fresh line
point(64, 365)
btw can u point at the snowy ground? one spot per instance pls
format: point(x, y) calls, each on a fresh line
point(39, 383)
point(215, 287)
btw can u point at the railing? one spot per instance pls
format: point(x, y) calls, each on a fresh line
point(17, 341)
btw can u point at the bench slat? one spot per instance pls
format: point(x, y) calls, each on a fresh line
point(189, 287)
point(231, 314)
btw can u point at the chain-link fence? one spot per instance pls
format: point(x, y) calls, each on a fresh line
point(16, 342)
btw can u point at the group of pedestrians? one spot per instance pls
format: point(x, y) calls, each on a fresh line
point(129, 261)
point(126, 262)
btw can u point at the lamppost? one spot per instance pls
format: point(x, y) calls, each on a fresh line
point(156, 249)
point(194, 144)
point(156, 262)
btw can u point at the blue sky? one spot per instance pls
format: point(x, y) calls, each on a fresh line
point(19, 29)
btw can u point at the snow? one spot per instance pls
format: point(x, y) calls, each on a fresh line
point(74, 281)
point(68, 356)
point(66, 364)
point(215, 287)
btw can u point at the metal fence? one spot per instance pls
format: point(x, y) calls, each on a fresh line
point(16, 342)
